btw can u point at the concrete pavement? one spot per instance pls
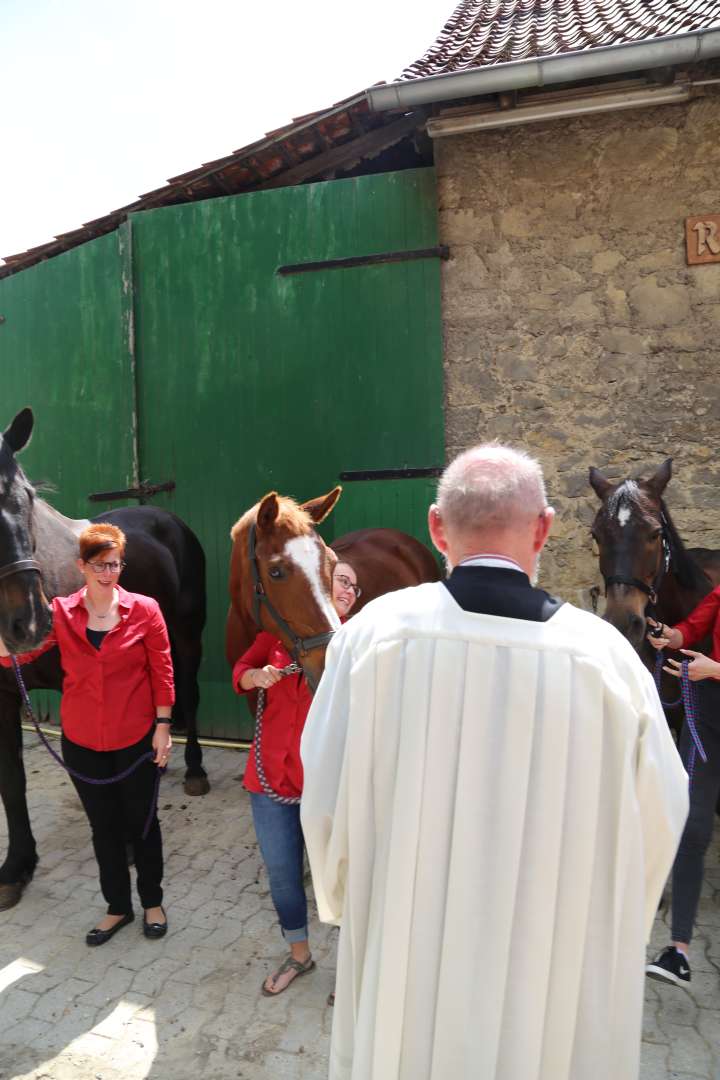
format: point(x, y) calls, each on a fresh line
point(189, 1006)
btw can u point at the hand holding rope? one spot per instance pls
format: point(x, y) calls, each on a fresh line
point(284, 800)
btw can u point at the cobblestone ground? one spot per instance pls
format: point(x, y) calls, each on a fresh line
point(189, 1006)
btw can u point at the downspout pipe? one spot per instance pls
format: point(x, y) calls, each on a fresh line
point(690, 48)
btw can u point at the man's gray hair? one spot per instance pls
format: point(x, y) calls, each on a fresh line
point(491, 487)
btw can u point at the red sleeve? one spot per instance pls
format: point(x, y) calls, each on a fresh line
point(157, 648)
point(256, 656)
point(700, 621)
point(28, 657)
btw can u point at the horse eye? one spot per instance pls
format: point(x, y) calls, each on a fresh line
point(276, 573)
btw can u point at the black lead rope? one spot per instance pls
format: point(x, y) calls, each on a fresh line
point(148, 755)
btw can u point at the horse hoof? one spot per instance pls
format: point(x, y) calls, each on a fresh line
point(10, 895)
point(196, 785)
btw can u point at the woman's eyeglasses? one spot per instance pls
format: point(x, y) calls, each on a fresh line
point(101, 567)
point(346, 583)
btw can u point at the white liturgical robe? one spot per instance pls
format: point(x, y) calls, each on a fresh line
point(491, 807)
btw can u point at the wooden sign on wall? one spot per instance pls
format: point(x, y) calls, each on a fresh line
point(702, 236)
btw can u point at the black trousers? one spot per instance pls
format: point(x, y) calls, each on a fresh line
point(704, 790)
point(117, 813)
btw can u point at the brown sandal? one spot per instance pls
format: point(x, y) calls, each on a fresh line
point(288, 964)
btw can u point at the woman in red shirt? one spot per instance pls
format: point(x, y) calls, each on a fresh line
point(277, 825)
point(117, 698)
point(672, 963)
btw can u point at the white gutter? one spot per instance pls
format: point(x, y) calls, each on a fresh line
point(487, 119)
point(688, 48)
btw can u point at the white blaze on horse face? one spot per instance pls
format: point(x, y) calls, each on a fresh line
point(623, 515)
point(304, 551)
point(620, 502)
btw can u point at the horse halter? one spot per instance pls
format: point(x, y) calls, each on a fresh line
point(18, 566)
point(300, 646)
point(650, 591)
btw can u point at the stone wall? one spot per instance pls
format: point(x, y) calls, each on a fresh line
point(573, 326)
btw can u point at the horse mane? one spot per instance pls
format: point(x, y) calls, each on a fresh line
point(688, 572)
point(290, 514)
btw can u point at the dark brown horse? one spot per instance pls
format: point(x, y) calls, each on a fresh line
point(647, 569)
point(38, 549)
point(643, 560)
point(294, 572)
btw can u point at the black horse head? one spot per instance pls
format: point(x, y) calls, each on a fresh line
point(25, 617)
point(634, 543)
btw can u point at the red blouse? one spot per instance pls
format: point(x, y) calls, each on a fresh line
point(110, 695)
point(701, 621)
point(286, 708)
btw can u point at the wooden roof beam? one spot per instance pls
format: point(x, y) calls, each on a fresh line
point(372, 143)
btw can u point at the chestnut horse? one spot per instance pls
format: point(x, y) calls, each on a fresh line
point(281, 575)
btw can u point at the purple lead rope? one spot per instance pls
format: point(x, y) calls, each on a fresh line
point(148, 756)
point(689, 701)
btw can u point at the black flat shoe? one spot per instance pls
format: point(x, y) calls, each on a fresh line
point(155, 929)
point(99, 937)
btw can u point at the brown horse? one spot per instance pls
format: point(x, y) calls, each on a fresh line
point(385, 560)
point(281, 575)
point(643, 561)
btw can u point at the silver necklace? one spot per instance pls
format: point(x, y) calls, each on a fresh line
point(93, 610)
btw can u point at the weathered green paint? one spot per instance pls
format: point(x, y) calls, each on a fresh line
point(62, 352)
point(241, 380)
point(395, 504)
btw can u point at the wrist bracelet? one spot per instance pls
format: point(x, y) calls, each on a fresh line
point(163, 720)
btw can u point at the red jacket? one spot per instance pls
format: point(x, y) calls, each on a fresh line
point(110, 695)
point(701, 621)
point(286, 708)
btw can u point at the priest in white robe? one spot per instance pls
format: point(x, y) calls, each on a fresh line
point(491, 804)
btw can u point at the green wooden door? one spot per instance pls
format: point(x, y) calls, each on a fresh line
point(250, 380)
point(174, 350)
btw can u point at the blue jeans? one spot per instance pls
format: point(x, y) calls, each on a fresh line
point(282, 847)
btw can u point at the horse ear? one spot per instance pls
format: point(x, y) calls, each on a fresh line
point(19, 432)
point(319, 508)
point(267, 512)
point(600, 484)
point(660, 478)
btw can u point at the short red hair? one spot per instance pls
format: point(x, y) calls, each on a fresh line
point(100, 536)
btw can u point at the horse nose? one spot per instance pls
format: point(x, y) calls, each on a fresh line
point(630, 624)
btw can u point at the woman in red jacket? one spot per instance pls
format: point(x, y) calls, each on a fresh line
point(672, 963)
point(277, 824)
point(117, 698)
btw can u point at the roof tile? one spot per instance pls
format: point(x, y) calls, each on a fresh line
point(484, 32)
